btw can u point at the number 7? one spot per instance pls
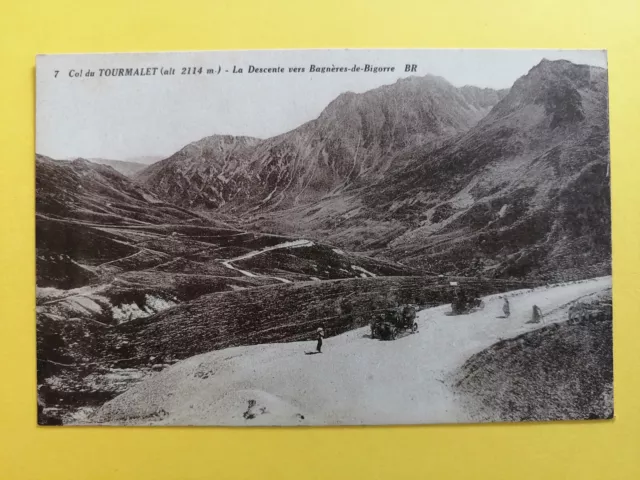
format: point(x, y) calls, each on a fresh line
point(56, 74)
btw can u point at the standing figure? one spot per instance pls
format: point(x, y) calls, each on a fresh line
point(320, 335)
point(537, 314)
point(505, 308)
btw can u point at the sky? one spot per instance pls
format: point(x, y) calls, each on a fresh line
point(125, 118)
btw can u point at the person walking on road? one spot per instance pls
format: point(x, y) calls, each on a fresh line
point(506, 308)
point(320, 335)
point(537, 315)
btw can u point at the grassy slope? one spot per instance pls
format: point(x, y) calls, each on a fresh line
point(561, 371)
point(281, 313)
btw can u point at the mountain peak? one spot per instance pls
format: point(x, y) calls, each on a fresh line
point(550, 70)
point(218, 139)
point(81, 162)
point(564, 90)
point(428, 78)
point(411, 84)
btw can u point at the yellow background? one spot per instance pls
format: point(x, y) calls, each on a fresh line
point(585, 450)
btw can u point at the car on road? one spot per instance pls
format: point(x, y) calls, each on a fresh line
point(394, 321)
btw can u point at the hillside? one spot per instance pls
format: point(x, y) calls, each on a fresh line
point(559, 372)
point(91, 192)
point(355, 381)
point(286, 312)
point(110, 255)
point(74, 199)
point(525, 192)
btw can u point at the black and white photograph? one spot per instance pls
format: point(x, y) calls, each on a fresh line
point(323, 237)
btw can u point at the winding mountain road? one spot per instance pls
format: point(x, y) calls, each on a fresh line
point(292, 244)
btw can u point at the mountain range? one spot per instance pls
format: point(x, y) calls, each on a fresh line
point(353, 142)
point(459, 180)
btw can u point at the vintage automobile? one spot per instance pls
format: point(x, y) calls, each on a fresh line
point(394, 321)
point(465, 303)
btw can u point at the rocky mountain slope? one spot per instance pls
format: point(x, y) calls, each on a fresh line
point(455, 180)
point(524, 192)
point(353, 142)
point(91, 192)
